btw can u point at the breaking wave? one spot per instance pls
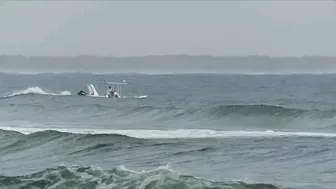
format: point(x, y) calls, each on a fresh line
point(119, 178)
point(133, 145)
point(165, 134)
point(34, 91)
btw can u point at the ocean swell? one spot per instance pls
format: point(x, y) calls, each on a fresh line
point(32, 134)
point(121, 178)
point(174, 111)
point(129, 113)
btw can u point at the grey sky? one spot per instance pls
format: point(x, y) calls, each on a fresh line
point(131, 28)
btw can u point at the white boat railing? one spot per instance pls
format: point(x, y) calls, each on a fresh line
point(117, 84)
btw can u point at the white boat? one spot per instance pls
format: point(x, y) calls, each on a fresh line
point(116, 87)
point(92, 90)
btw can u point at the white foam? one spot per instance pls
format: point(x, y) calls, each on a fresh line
point(138, 97)
point(38, 91)
point(65, 93)
point(170, 134)
point(35, 90)
point(123, 97)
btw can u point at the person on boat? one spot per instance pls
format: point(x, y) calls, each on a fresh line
point(115, 94)
point(110, 92)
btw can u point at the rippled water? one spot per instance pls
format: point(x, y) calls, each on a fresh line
point(169, 131)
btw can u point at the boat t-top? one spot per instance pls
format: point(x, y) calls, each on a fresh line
point(114, 90)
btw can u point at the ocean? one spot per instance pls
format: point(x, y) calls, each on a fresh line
point(192, 131)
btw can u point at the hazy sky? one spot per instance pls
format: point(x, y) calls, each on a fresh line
point(131, 28)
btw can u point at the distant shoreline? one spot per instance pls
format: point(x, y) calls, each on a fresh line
point(169, 55)
point(169, 74)
point(170, 64)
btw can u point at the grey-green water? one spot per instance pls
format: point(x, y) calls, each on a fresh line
point(192, 131)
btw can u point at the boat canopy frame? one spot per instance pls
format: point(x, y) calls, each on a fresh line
point(115, 85)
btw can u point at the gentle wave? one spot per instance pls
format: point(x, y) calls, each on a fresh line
point(210, 112)
point(259, 109)
point(121, 178)
point(218, 110)
point(171, 134)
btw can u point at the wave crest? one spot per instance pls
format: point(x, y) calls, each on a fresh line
point(122, 178)
point(220, 111)
point(33, 133)
point(34, 91)
point(259, 109)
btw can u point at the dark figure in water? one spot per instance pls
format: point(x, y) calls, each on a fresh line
point(81, 93)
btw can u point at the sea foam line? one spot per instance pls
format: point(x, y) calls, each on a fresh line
point(170, 134)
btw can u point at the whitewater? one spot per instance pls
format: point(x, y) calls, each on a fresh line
point(190, 131)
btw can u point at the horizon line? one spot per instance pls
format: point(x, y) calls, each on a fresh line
point(166, 73)
point(164, 55)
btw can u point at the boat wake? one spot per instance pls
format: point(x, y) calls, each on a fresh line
point(38, 91)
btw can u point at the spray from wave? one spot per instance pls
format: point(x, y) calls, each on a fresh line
point(34, 91)
point(122, 178)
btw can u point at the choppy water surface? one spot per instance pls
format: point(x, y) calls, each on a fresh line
point(169, 131)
